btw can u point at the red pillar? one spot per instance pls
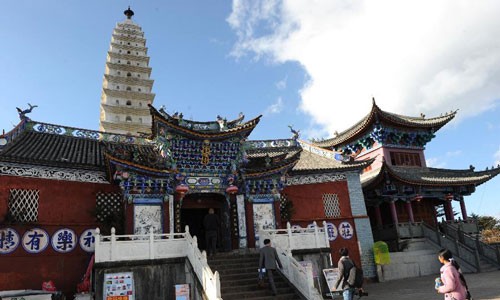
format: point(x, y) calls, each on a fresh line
point(463, 208)
point(378, 216)
point(394, 214)
point(409, 210)
point(448, 210)
point(250, 225)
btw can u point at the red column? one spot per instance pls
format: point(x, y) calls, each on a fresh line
point(394, 214)
point(448, 210)
point(462, 207)
point(409, 210)
point(378, 216)
point(250, 229)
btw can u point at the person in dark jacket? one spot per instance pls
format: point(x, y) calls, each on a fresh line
point(348, 291)
point(268, 259)
point(211, 223)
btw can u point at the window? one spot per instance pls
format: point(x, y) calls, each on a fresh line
point(331, 205)
point(138, 75)
point(137, 63)
point(119, 61)
point(129, 74)
point(119, 73)
point(117, 87)
point(128, 62)
point(128, 52)
point(120, 51)
point(128, 119)
point(129, 103)
point(129, 88)
point(405, 159)
point(117, 102)
point(140, 104)
point(137, 53)
point(140, 120)
point(23, 205)
point(139, 89)
point(108, 206)
point(128, 43)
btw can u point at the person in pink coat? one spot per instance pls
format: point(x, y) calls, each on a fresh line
point(453, 287)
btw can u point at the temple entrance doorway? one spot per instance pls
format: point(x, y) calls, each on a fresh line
point(194, 209)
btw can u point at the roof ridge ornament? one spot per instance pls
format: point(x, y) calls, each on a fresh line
point(129, 13)
point(295, 133)
point(23, 113)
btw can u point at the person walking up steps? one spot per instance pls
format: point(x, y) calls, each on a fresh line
point(452, 283)
point(348, 291)
point(268, 259)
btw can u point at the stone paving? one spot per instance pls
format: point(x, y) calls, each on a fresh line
point(483, 286)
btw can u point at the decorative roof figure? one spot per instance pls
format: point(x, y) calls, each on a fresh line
point(296, 133)
point(23, 113)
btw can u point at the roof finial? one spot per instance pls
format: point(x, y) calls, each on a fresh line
point(129, 13)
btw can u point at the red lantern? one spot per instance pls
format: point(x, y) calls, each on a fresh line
point(231, 190)
point(181, 189)
point(418, 198)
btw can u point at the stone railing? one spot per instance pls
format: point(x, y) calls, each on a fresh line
point(409, 230)
point(286, 240)
point(465, 255)
point(156, 246)
point(297, 238)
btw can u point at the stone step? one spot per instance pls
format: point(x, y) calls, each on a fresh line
point(259, 293)
point(234, 288)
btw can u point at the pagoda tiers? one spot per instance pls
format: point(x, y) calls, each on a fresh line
point(398, 186)
point(126, 88)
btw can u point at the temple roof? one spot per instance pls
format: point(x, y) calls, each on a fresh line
point(428, 176)
point(38, 143)
point(377, 115)
point(314, 159)
point(220, 129)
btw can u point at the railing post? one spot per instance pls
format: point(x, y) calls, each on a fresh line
point(327, 238)
point(97, 244)
point(113, 244)
point(497, 250)
point(410, 229)
point(289, 231)
point(478, 265)
point(151, 244)
point(438, 235)
point(478, 245)
point(217, 285)
point(316, 236)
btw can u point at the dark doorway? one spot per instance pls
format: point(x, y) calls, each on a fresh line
point(193, 217)
point(194, 209)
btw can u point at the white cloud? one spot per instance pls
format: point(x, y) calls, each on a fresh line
point(281, 85)
point(455, 153)
point(275, 108)
point(412, 56)
point(497, 157)
point(435, 162)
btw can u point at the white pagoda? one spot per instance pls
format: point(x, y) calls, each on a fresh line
point(126, 87)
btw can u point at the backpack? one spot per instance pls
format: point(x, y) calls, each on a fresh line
point(353, 274)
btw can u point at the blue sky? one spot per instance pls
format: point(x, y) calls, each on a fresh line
point(311, 64)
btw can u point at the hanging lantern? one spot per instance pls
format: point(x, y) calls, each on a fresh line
point(418, 198)
point(232, 189)
point(449, 197)
point(181, 189)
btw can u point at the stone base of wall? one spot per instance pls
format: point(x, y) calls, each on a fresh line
point(153, 279)
point(419, 259)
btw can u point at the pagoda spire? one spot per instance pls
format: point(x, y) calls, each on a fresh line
point(129, 13)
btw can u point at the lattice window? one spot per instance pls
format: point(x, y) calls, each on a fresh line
point(108, 206)
point(331, 205)
point(23, 205)
point(286, 208)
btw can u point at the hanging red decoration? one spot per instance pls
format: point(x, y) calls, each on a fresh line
point(231, 190)
point(181, 189)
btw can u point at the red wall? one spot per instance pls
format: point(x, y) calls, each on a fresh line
point(308, 207)
point(62, 204)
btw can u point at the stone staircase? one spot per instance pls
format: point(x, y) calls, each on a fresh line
point(238, 278)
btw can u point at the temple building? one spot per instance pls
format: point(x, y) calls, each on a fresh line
point(127, 86)
point(147, 171)
point(398, 186)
